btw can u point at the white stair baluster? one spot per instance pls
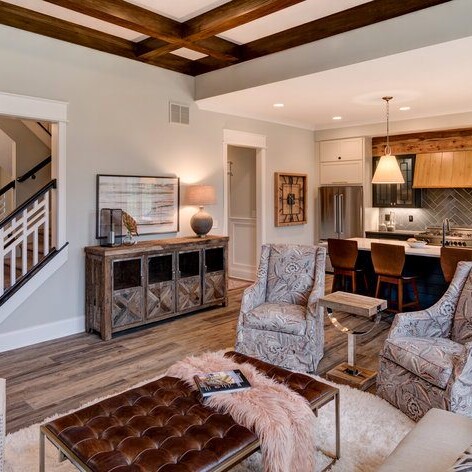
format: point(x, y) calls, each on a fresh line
point(24, 244)
point(46, 224)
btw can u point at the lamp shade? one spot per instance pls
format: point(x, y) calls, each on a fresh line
point(200, 195)
point(388, 171)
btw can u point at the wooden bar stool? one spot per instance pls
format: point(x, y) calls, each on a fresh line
point(450, 257)
point(343, 255)
point(388, 261)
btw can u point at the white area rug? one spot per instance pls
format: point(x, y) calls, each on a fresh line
point(370, 430)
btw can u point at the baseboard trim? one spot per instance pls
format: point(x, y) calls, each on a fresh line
point(41, 333)
point(243, 273)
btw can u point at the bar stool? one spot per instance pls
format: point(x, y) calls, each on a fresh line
point(450, 257)
point(343, 255)
point(388, 261)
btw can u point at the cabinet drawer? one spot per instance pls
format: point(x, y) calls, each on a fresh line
point(342, 150)
point(340, 173)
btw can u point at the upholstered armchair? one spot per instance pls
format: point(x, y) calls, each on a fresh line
point(426, 361)
point(281, 321)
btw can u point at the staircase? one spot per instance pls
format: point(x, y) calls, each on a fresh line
point(26, 241)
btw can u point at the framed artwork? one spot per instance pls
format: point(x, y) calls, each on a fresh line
point(289, 199)
point(152, 201)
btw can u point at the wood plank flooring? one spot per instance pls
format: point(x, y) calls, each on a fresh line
point(60, 375)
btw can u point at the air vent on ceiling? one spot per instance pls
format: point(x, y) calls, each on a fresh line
point(179, 113)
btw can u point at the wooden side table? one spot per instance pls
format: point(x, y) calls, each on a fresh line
point(348, 372)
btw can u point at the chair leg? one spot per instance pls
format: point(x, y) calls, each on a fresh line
point(353, 280)
point(333, 286)
point(366, 284)
point(377, 289)
point(400, 295)
point(415, 293)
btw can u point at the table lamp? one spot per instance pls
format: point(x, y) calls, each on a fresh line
point(200, 195)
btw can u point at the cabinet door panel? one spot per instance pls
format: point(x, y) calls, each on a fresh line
point(127, 307)
point(189, 293)
point(352, 149)
point(340, 173)
point(214, 287)
point(329, 151)
point(160, 300)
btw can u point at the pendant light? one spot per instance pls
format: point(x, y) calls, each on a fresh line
point(388, 171)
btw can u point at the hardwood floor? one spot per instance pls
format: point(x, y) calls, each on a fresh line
point(57, 376)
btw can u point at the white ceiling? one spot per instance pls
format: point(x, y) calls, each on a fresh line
point(433, 81)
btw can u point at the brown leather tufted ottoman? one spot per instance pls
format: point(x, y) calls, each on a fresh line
point(163, 427)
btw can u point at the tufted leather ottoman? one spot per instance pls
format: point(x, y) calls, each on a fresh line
point(163, 427)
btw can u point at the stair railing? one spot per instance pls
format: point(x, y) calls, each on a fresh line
point(20, 232)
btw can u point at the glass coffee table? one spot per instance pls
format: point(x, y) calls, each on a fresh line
point(358, 305)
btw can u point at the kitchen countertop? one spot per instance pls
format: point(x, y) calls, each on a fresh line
point(427, 251)
point(397, 231)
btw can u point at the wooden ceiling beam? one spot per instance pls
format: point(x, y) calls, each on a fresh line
point(165, 33)
point(28, 20)
point(204, 27)
point(230, 15)
point(127, 15)
point(347, 20)
point(218, 48)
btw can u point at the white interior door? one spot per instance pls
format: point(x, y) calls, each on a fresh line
point(242, 227)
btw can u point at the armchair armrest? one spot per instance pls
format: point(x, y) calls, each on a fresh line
point(253, 296)
point(460, 383)
point(425, 323)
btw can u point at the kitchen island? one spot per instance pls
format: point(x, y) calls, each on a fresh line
point(422, 262)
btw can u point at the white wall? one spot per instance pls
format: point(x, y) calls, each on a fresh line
point(118, 123)
point(30, 150)
point(6, 153)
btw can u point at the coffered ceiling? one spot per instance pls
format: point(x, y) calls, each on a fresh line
point(199, 36)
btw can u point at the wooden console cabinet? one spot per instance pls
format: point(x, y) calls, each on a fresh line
point(129, 286)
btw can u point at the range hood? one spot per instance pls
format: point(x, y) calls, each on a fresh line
point(443, 170)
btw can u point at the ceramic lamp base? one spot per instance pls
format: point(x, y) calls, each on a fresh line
point(201, 223)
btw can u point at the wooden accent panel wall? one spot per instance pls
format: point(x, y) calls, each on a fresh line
point(428, 142)
point(129, 286)
point(443, 170)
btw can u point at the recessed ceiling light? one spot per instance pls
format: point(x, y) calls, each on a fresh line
point(404, 108)
point(279, 105)
point(337, 117)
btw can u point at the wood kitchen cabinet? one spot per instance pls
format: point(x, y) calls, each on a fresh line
point(443, 170)
point(130, 286)
point(342, 161)
point(397, 195)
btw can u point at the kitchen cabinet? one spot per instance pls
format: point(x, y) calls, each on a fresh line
point(130, 286)
point(342, 161)
point(397, 195)
point(443, 170)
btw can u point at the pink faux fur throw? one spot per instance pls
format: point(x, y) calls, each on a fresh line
point(282, 419)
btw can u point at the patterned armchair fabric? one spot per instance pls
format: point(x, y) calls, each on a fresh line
point(426, 361)
point(280, 320)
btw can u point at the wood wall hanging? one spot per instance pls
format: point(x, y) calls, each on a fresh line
point(289, 199)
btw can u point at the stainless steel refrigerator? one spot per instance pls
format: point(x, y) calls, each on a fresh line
point(342, 212)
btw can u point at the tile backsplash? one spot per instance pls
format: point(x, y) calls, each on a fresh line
point(437, 204)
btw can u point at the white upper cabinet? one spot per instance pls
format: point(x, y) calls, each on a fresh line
point(342, 161)
point(351, 149)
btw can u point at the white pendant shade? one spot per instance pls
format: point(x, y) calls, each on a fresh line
point(388, 171)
